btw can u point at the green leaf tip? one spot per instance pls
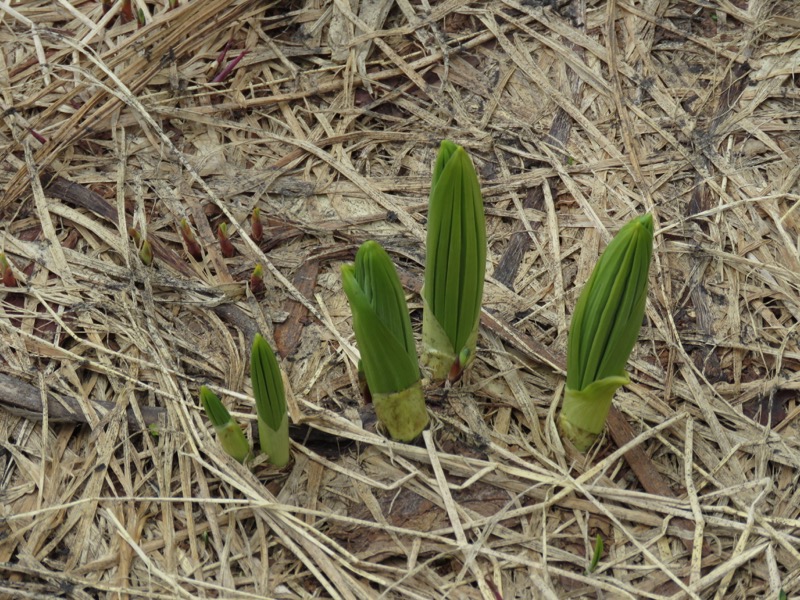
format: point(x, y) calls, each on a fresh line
point(146, 253)
point(385, 339)
point(381, 321)
point(604, 329)
point(273, 420)
point(455, 262)
point(597, 554)
point(215, 410)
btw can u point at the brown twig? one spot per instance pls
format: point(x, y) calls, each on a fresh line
point(25, 400)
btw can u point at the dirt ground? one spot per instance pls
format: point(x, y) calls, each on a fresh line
point(579, 114)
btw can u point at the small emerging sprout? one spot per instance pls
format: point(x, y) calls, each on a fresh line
point(8, 274)
point(455, 265)
point(256, 227)
point(223, 74)
point(228, 431)
point(383, 331)
point(604, 329)
point(146, 253)
point(189, 239)
point(136, 237)
point(221, 56)
point(273, 419)
point(140, 22)
point(257, 280)
point(37, 136)
point(598, 553)
point(225, 244)
point(142, 245)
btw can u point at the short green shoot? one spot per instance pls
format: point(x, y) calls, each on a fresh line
point(383, 332)
point(604, 329)
point(225, 245)
point(146, 253)
point(256, 226)
point(257, 280)
point(228, 430)
point(598, 552)
point(455, 265)
point(273, 419)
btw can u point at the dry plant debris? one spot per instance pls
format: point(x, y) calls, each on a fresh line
point(578, 115)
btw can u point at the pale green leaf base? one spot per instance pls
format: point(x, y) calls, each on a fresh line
point(438, 353)
point(233, 441)
point(584, 412)
point(275, 444)
point(403, 413)
point(437, 350)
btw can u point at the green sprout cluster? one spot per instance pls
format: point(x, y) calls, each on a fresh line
point(452, 295)
point(273, 418)
point(604, 328)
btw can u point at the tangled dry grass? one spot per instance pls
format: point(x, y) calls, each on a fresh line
point(579, 114)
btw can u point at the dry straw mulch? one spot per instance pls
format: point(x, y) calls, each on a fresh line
point(579, 114)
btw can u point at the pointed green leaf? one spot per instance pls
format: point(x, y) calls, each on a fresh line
point(598, 552)
point(215, 410)
point(609, 311)
point(604, 329)
point(378, 280)
point(265, 375)
point(456, 254)
point(381, 321)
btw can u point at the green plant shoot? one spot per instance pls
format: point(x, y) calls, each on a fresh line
point(146, 253)
point(273, 419)
point(189, 239)
point(226, 246)
point(455, 265)
point(257, 279)
point(228, 431)
point(604, 329)
point(383, 332)
point(598, 552)
point(256, 227)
